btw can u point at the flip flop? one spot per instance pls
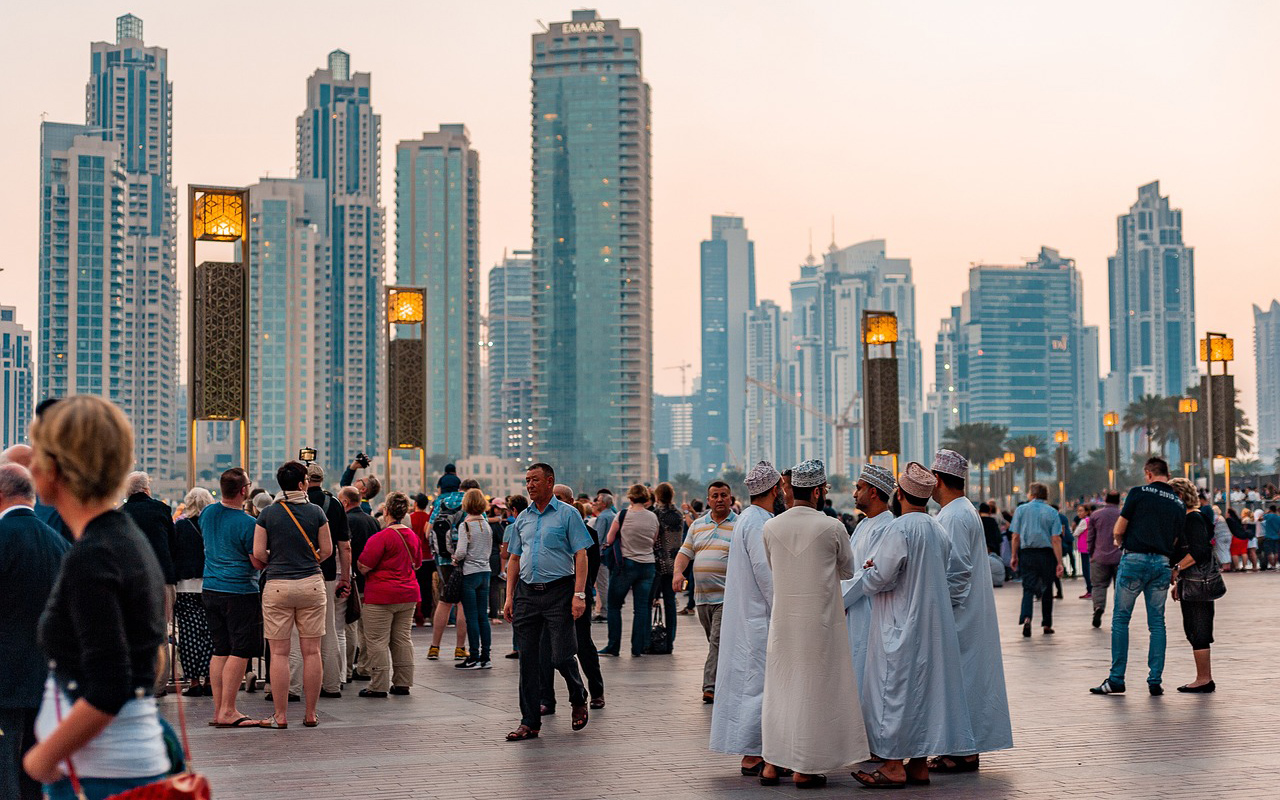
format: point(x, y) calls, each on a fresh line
point(243, 722)
point(271, 724)
point(877, 780)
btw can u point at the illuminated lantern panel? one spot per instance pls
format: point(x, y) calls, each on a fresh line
point(881, 329)
point(405, 307)
point(218, 217)
point(1217, 348)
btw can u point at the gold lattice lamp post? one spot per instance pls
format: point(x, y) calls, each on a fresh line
point(218, 305)
point(406, 374)
point(881, 429)
point(1112, 442)
point(1219, 393)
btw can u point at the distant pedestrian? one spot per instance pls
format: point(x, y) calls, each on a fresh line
point(389, 562)
point(1150, 524)
point(1104, 556)
point(475, 543)
point(706, 550)
point(1195, 580)
point(155, 520)
point(638, 529)
point(195, 646)
point(1036, 534)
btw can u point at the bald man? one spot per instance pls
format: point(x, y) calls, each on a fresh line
point(21, 455)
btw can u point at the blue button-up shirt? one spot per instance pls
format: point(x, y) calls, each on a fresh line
point(1036, 523)
point(547, 540)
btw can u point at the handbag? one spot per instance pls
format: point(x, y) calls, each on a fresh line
point(1202, 582)
point(185, 785)
point(659, 639)
point(613, 558)
point(451, 592)
point(355, 604)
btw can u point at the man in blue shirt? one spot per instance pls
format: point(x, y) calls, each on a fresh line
point(1036, 537)
point(231, 600)
point(1271, 536)
point(546, 589)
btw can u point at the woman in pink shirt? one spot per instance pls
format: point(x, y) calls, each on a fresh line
point(389, 563)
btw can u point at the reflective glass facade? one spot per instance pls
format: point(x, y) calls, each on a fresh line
point(16, 377)
point(592, 326)
point(510, 358)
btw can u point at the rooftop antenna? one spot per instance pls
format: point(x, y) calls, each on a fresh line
point(542, 25)
point(833, 234)
point(811, 259)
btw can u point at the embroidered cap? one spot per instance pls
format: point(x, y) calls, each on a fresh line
point(952, 463)
point(761, 478)
point(879, 477)
point(917, 481)
point(809, 473)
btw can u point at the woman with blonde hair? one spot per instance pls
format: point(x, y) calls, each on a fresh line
point(638, 529)
point(475, 543)
point(1195, 569)
point(195, 643)
point(104, 623)
point(389, 562)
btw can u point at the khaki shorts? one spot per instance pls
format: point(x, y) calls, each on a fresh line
point(289, 602)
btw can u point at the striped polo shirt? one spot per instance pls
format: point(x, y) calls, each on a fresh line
point(707, 544)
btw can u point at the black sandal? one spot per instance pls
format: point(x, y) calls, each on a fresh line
point(878, 780)
point(949, 765)
point(814, 782)
point(580, 716)
point(753, 771)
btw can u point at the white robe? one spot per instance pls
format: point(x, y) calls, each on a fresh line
point(973, 602)
point(808, 723)
point(744, 638)
point(857, 606)
point(912, 694)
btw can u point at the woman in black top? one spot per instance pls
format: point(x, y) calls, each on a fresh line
point(195, 643)
point(1194, 548)
point(104, 624)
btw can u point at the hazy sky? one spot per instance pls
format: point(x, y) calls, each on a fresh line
point(961, 132)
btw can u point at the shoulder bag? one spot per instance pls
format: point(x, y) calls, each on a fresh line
point(1201, 582)
point(613, 557)
point(305, 537)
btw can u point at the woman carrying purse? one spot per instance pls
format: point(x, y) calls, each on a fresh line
point(1196, 584)
point(389, 562)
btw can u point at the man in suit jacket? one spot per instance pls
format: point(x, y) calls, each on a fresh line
point(30, 557)
point(21, 454)
point(155, 519)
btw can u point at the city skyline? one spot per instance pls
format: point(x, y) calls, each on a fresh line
point(1094, 170)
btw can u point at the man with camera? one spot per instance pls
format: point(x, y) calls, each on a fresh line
point(369, 485)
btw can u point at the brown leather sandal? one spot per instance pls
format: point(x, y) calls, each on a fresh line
point(521, 733)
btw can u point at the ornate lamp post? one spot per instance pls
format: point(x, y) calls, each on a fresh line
point(406, 376)
point(1009, 459)
point(1219, 392)
point(1187, 407)
point(1062, 437)
point(1029, 467)
point(218, 297)
point(880, 386)
point(1112, 436)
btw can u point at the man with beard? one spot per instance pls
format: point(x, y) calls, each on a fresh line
point(871, 493)
point(744, 627)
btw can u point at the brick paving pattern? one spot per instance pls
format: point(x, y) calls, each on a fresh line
point(446, 740)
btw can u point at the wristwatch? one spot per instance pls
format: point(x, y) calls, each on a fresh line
point(580, 595)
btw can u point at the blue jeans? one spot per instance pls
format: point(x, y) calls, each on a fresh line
point(1146, 574)
point(95, 788)
point(636, 578)
point(475, 606)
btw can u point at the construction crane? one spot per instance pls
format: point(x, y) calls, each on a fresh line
point(684, 368)
point(844, 423)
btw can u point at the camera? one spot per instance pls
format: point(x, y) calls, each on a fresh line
point(362, 460)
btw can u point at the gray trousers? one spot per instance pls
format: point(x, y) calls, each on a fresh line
point(709, 616)
point(1102, 575)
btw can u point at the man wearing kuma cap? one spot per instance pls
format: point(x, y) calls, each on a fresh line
point(973, 603)
point(913, 696)
point(744, 627)
point(872, 493)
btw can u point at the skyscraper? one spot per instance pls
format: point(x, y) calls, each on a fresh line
point(289, 364)
point(510, 353)
point(728, 293)
point(1023, 336)
point(16, 379)
point(768, 346)
point(948, 399)
point(438, 247)
point(1153, 311)
point(592, 312)
point(129, 100)
point(1266, 354)
point(82, 268)
point(338, 142)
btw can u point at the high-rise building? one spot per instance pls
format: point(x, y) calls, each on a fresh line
point(768, 345)
point(1024, 339)
point(129, 101)
point(16, 379)
point(1153, 310)
point(438, 247)
point(826, 313)
point(673, 424)
point(338, 142)
point(592, 308)
point(82, 270)
point(1266, 354)
point(510, 350)
point(948, 399)
point(728, 294)
point(289, 354)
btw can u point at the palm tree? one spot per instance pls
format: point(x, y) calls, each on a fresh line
point(976, 441)
point(1249, 468)
point(1155, 416)
point(686, 486)
point(735, 478)
point(1016, 444)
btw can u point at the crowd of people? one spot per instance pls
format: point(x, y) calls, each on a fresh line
point(867, 639)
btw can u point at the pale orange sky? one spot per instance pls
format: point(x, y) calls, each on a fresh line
point(961, 132)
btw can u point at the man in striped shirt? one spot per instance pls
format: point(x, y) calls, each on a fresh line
point(707, 546)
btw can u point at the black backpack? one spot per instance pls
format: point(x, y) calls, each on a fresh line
point(447, 517)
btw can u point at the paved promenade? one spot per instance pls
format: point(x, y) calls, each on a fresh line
point(446, 740)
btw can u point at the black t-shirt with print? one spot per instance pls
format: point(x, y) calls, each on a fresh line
point(1156, 518)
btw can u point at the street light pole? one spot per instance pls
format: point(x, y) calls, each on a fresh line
point(1029, 453)
point(1112, 439)
point(1062, 437)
